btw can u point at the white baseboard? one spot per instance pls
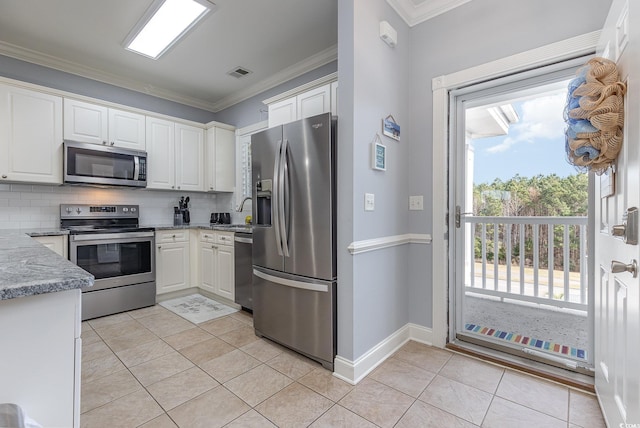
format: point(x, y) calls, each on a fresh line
point(354, 371)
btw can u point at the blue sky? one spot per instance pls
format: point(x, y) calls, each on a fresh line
point(534, 145)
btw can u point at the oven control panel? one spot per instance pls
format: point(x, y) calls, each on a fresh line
point(98, 211)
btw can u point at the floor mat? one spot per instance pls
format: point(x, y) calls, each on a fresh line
point(197, 308)
point(542, 345)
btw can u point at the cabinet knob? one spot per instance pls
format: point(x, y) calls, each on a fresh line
point(173, 236)
point(173, 187)
point(104, 142)
point(159, 247)
point(4, 176)
point(112, 143)
point(178, 187)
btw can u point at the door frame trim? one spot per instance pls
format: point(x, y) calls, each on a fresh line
point(441, 85)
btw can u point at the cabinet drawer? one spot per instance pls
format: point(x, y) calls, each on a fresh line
point(207, 236)
point(165, 236)
point(225, 238)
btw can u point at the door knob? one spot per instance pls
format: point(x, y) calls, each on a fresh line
point(619, 267)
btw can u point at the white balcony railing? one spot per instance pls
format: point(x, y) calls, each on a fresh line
point(539, 259)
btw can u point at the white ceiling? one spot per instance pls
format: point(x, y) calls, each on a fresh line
point(277, 40)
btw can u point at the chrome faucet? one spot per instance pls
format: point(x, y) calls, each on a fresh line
point(242, 204)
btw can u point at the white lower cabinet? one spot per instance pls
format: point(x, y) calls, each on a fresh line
point(41, 356)
point(172, 261)
point(216, 260)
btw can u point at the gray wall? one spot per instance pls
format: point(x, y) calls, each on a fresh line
point(475, 33)
point(27, 72)
point(252, 110)
point(372, 287)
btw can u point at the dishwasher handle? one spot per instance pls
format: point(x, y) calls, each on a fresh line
point(243, 240)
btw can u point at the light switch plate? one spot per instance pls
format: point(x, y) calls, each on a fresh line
point(416, 203)
point(369, 202)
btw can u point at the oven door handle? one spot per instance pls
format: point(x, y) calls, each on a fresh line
point(105, 236)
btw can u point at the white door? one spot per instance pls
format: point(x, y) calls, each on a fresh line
point(30, 136)
point(126, 129)
point(189, 158)
point(617, 297)
point(314, 102)
point(160, 145)
point(225, 269)
point(85, 122)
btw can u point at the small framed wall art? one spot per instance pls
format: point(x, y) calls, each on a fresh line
point(378, 155)
point(390, 128)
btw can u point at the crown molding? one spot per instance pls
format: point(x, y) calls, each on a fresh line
point(415, 14)
point(321, 58)
point(50, 61)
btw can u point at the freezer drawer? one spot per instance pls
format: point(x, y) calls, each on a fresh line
point(296, 312)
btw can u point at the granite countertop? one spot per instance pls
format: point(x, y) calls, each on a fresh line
point(52, 231)
point(242, 228)
point(28, 268)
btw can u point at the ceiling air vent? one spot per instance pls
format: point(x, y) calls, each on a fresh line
point(239, 72)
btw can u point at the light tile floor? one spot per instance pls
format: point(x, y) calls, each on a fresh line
point(150, 368)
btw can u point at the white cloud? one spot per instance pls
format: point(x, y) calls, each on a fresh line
point(542, 118)
point(502, 147)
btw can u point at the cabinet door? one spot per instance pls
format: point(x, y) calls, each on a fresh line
point(284, 111)
point(208, 266)
point(189, 158)
point(221, 150)
point(226, 272)
point(161, 165)
point(30, 136)
point(334, 98)
point(172, 267)
point(85, 122)
point(313, 102)
point(126, 129)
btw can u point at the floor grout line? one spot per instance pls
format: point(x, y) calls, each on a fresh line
point(294, 381)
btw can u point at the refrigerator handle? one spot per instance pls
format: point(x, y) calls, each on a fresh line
point(284, 190)
point(276, 198)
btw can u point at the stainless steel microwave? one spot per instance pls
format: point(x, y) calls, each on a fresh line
point(86, 163)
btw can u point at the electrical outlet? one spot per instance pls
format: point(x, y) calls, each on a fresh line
point(416, 203)
point(369, 202)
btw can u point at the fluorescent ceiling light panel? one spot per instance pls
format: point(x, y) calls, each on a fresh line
point(164, 24)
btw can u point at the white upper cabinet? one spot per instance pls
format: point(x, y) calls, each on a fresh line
point(282, 112)
point(161, 163)
point(313, 102)
point(220, 157)
point(126, 129)
point(175, 155)
point(189, 158)
point(334, 98)
point(30, 136)
point(92, 123)
point(313, 98)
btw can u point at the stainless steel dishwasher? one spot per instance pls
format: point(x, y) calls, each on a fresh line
point(243, 244)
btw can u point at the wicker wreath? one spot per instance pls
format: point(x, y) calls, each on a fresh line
point(595, 116)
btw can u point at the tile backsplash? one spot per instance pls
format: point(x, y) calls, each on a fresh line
point(25, 206)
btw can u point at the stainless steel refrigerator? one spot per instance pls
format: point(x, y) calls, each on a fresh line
point(294, 236)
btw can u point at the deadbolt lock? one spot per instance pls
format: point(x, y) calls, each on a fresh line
point(628, 230)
